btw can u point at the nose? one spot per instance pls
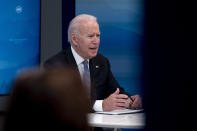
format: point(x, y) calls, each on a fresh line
point(96, 40)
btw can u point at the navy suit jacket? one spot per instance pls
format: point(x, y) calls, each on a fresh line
point(103, 82)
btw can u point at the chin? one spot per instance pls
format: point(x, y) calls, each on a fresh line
point(93, 55)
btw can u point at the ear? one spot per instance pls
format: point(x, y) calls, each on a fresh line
point(74, 39)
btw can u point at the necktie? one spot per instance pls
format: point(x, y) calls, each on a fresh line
point(86, 76)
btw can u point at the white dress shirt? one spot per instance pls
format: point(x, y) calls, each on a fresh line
point(98, 103)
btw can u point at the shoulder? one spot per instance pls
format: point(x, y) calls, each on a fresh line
point(59, 56)
point(100, 57)
point(62, 58)
point(101, 60)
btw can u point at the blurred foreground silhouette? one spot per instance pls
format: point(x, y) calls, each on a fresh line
point(48, 100)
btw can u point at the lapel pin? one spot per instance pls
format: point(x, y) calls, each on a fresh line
point(97, 66)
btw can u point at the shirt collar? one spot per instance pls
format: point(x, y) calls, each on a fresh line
point(77, 57)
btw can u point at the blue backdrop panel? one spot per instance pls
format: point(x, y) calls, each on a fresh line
point(19, 38)
point(121, 26)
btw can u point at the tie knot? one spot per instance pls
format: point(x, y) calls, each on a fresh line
point(85, 63)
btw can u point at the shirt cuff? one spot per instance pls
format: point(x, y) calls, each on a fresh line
point(98, 105)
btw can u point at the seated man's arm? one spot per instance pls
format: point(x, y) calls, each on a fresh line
point(98, 105)
point(119, 99)
point(114, 97)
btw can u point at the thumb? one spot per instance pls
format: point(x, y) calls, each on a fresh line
point(117, 91)
point(132, 97)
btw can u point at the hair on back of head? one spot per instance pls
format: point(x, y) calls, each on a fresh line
point(48, 99)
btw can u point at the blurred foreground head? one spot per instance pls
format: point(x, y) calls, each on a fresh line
point(48, 100)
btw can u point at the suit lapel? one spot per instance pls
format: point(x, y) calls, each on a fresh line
point(94, 69)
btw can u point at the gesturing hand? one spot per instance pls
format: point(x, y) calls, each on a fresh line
point(137, 102)
point(116, 101)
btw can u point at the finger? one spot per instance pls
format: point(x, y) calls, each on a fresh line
point(133, 97)
point(122, 101)
point(122, 96)
point(126, 102)
point(136, 105)
point(122, 105)
point(117, 91)
point(129, 101)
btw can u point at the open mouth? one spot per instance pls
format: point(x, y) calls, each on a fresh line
point(93, 48)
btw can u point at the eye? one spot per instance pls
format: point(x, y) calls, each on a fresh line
point(90, 36)
point(98, 35)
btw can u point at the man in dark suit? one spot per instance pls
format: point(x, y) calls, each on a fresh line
point(84, 37)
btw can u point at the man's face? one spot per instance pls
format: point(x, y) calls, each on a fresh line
point(87, 41)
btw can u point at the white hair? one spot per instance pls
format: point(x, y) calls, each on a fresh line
point(75, 23)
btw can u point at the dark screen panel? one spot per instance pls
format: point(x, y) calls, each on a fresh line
point(68, 12)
